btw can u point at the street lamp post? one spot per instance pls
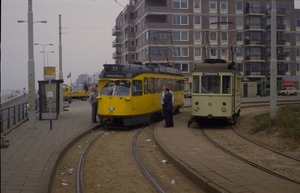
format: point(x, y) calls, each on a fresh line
point(43, 50)
point(31, 74)
point(47, 56)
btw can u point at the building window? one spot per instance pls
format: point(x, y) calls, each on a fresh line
point(180, 4)
point(132, 56)
point(224, 51)
point(213, 36)
point(181, 52)
point(224, 36)
point(182, 66)
point(197, 4)
point(197, 36)
point(239, 5)
point(298, 66)
point(154, 34)
point(287, 37)
point(298, 52)
point(286, 67)
point(223, 5)
point(297, 22)
point(240, 67)
point(213, 52)
point(287, 7)
point(287, 23)
point(287, 51)
point(239, 36)
point(132, 43)
point(197, 20)
point(180, 36)
point(197, 51)
point(239, 21)
point(157, 51)
point(212, 5)
point(180, 20)
point(213, 19)
point(223, 20)
point(239, 51)
point(255, 67)
point(298, 37)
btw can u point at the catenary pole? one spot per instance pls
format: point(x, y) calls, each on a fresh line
point(273, 64)
point(31, 70)
point(60, 69)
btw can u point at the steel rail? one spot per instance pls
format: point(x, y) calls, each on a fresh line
point(141, 165)
point(245, 160)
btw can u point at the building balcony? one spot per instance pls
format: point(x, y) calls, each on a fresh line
point(279, 11)
point(255, 27)
point(156, 3)
point(278, 57)
point(279, 42)
point(279, 27)
point(116, 30)
point(116, 55)
point(253, 42)
point(259, 58)
point(263, 73)
point(255, 11)
point(117, 43)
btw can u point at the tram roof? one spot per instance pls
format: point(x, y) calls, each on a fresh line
point(132, 70)
point(215, 65)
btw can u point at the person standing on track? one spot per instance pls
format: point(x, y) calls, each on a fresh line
point(94, 102)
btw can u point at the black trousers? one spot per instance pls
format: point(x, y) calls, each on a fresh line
point(169, 118)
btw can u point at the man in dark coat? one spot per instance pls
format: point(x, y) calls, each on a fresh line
point(168, 106)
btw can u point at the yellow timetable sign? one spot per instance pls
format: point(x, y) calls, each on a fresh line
point(49, 73)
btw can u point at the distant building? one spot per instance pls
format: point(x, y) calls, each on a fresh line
point(185, 32)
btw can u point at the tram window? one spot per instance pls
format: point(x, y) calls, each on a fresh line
point(108, 89)
point(195, 84)
point(145, 85)
point(175, 85)
point(170, 84)
point(158, 85)
point(116, 88)
point(226, 84)
point(211, 84)
point(137, 88)
point(151, 85)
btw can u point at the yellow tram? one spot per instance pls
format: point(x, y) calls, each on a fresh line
point(216, 91)
point(130, 94)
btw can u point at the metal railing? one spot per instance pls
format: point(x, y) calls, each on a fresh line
point(14, 114)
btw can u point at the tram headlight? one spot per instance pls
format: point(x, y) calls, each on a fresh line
point(196, 109)
point(111, 108)
point(223, 109)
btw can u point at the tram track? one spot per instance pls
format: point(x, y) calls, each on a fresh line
point(107, 164)
point(251, 155)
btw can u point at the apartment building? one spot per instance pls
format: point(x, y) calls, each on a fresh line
point(183, 33)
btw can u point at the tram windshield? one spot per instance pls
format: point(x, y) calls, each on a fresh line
point(116, 88)
point(210, 84)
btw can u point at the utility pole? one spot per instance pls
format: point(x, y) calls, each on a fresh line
point(31, 70)
point(60, 69)
point(273, 63)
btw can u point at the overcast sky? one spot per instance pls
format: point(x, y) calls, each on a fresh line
point(86, 39)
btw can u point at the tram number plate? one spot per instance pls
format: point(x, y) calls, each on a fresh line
point(210, 73)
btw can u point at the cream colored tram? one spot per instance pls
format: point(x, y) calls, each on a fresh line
point(216, 91)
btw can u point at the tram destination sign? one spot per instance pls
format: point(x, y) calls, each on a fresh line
point(114, 75)
point(210, 74)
